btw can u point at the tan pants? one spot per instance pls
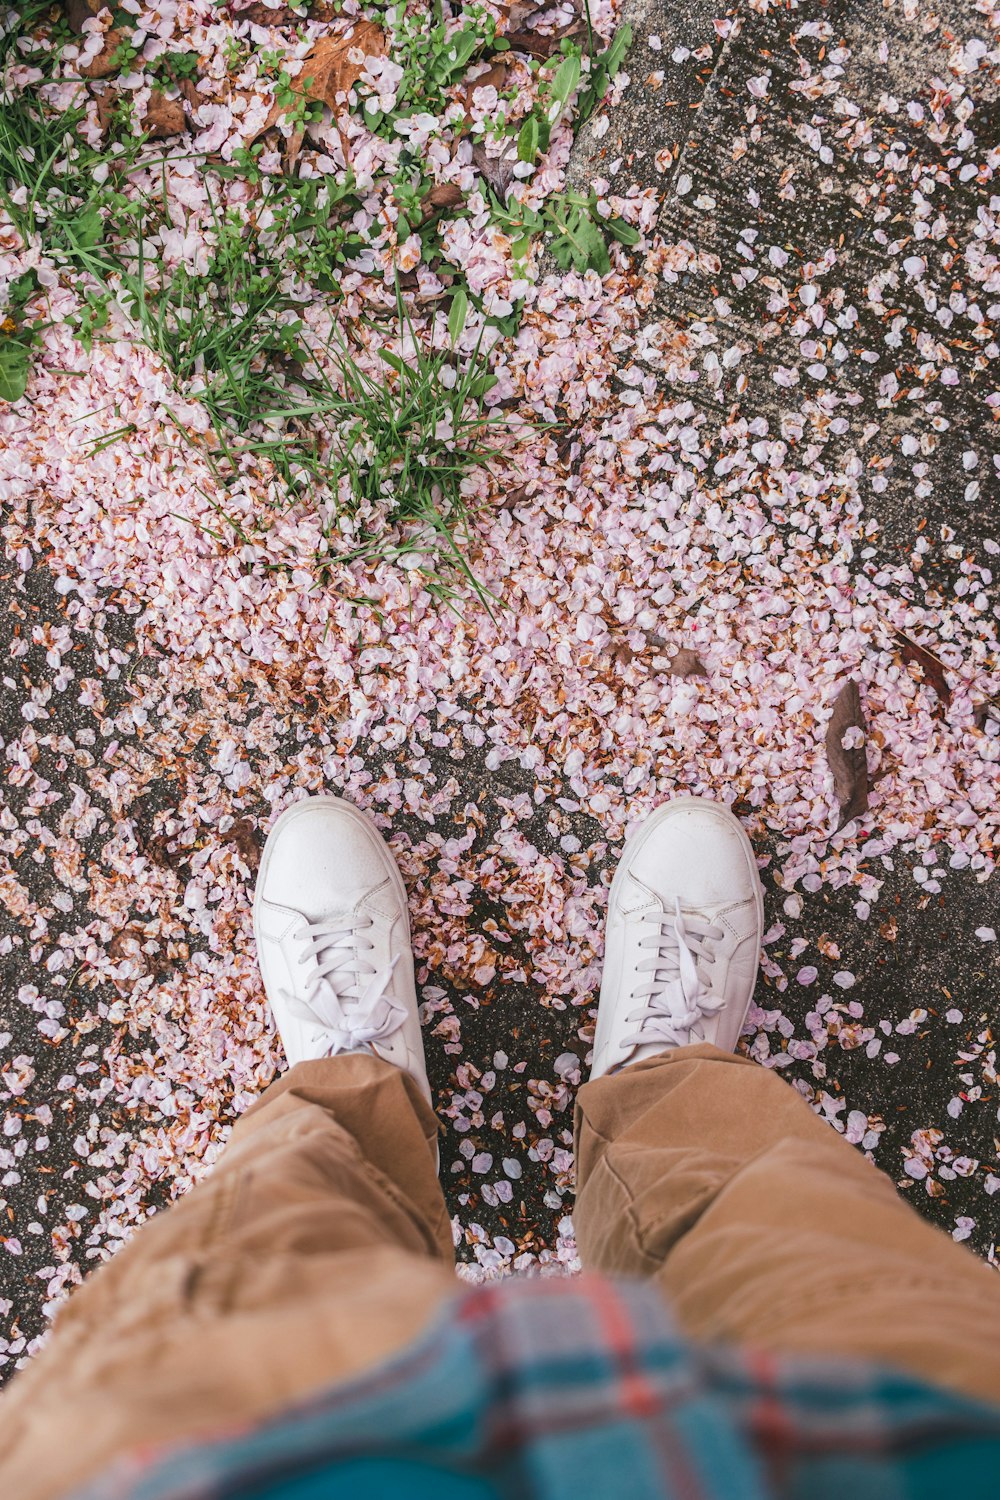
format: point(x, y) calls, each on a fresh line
point(320, 1244)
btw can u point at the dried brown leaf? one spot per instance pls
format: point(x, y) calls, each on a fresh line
point(79, 11)
point(118, 947)
point(263, 15)
point(104, 63)
point(849, 765)
point(497, 170)
point(441, 196)
point(164, 117)
point(155, 846)
point(247, 840)
point(106, 102)
point(519, 15)
point(621, 653)
point(495, 76)
point(565, 446)
point(540, 45)
point(327, 71)
point(191, 92)
point(686, 663)
point(931, 667)
point(126, 947)
point(514, 497)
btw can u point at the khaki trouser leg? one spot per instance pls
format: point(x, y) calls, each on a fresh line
point(764, 1227)
point(318, 1246)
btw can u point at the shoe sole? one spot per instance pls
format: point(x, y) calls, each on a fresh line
point(662, 815)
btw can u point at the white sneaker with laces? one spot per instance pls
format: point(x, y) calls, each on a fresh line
point(685, 923)
point(333, 938)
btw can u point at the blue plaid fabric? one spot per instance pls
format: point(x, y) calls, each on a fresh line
point(567, 1389)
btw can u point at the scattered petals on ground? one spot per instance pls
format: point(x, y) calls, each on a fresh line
point(176, 687)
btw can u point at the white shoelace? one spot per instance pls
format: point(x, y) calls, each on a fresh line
point(677, 995)
point(345, 993)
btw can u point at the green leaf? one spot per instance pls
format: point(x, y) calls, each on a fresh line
point(482, 384)
point(458, 314)
point(615, 55)
point(566, 79)
point(602, 71)
point(579, 243)
point(509, 325)
point(527, 140)
point(596, 251)
point(460, 51)
point(88, 228)
point(393, 360)
point(15, 365)
point(622, 231)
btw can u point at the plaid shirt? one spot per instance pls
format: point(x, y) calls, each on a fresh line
point(581, 1387)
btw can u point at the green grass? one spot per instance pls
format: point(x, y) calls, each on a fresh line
point(384, 454)
point(389, 452)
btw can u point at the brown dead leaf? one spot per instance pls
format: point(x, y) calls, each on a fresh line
point(441, 196)
point(519, 15)
point(686, 663)
point(681, 662)
point(621, 654)
point(247, 840)
point(327, 70)
point(565, 446)
point(79, 11)
point(191, 93)
point(156, 846)
point(495, 76)
point(540, 45)
point(931, 667)
point(263, 15)
point(127, 943)
point(106, 102)
point(104, 63)
point(497, 170)
point(514, 497)
point(849, 766)
point(164, 117)
point(126, 947)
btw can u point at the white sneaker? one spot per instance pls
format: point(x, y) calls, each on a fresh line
point(685, 922)
point(333, 938)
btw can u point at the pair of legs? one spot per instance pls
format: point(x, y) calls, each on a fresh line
point(321, 1245)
